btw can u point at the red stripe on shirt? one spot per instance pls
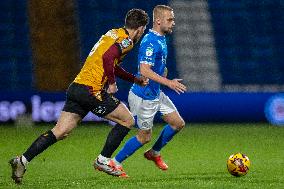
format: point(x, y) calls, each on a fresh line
point(108, 62)
point(121, 73)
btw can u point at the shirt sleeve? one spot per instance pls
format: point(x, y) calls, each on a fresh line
point(147, 54)
point(121, 73)
point(108, 62)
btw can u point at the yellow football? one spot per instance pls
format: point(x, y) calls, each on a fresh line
point(238, 164)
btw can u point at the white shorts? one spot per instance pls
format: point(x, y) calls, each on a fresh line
point(145, 110)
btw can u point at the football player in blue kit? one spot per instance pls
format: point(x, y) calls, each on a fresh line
point(146, 101)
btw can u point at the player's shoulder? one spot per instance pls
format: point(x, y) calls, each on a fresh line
point(120, 36)
point(149, 41)
point(149, 37)
point(117, 34)
point(113, 34)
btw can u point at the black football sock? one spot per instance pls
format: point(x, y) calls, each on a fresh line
point(39, 145)
point(115, 136)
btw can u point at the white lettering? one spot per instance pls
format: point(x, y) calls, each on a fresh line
point(35, 100)
point(47, 111)
point(4, 111)
point(17, 108)
point(10, 111)
point(58, 106)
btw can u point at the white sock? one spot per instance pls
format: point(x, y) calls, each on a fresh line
point(155, 153)
point(103, 159)
point(116, 162)
point(24, 160)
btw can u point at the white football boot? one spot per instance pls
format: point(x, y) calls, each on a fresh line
point(110, 168)
point(18, 169)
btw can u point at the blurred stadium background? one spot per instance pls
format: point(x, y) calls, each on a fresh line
point(229, 53)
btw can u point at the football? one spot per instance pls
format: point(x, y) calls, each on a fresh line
point(238, 164)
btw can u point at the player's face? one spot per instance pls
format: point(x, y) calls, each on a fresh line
point(167, 22)
point(139, 33)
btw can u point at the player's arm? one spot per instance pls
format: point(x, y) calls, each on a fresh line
point(147, 58)
point(108, 64)
point(123, 74)
point(146, 70)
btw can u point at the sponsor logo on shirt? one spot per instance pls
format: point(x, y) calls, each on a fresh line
point(149, 51)
point(99, 110)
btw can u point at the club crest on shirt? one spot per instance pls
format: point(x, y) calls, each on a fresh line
point(149, 51)
point(125, 43)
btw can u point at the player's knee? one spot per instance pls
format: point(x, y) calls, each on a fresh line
point(63, 136)
point(59, 133)
point(129, 122)
point(182, 124)
point(144, 136)
point(179, 125)
point(148, 139)
point(144, 139)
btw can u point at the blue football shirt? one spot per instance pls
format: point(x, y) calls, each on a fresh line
point(153, 51)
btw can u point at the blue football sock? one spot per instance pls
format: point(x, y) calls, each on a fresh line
point(128, 149)
point(165, 136)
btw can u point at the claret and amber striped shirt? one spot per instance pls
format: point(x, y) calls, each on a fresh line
point(102, 64)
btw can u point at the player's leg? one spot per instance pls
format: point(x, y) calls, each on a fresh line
point(65, 124)
point(175, 124)
point(69, 118)
point(144, 111)
point(122, 116)
point(132, 145)
point(124, 119)
point(134, 102)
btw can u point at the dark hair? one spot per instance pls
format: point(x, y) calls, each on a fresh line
point(136, 18)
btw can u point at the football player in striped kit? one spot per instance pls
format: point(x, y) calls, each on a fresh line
point(92, 90)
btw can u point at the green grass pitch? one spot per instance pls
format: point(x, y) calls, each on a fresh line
point(196, 158)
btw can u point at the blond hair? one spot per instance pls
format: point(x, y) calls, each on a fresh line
point(158, 11)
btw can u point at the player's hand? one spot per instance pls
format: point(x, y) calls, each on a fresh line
point(177, 86)
point(112, 88)
point(142, 81)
